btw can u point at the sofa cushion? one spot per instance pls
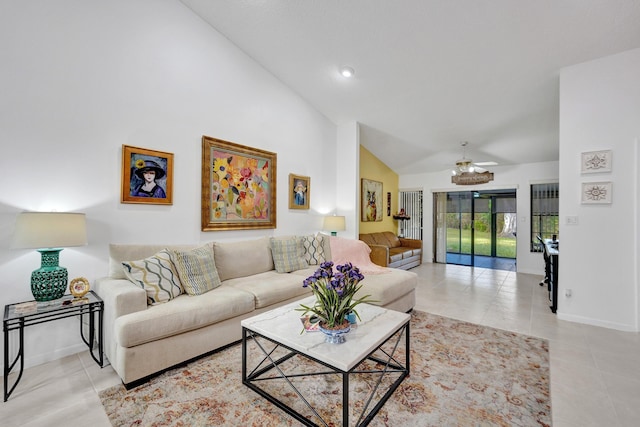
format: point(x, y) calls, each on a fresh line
point(392, 240)
point(368, 239)
point(271, 288)
point(388, 287)
point(243, 258)
point(288, 254)
point(396, 254)
point(183, 314)
point(197, 270)
point(313, 249)
point(124, 252)
point(157, 275)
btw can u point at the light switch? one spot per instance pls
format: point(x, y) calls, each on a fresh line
point(571, 220)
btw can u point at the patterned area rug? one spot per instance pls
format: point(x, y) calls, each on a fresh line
point(462, 374)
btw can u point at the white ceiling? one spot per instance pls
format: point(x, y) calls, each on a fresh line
point(431, 73)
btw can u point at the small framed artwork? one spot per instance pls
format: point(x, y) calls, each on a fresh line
point(147, 176)
point(238, 186)
point(299, 191)
point(388, 204)
point(596, 192)
point(372, 202)
point(596, 161)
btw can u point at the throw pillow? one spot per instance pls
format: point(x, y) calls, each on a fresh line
point(156, 275)
point(313, 249)
point(288, 254)
point(197, 270)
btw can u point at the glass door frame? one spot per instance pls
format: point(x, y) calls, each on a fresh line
point(473, 195)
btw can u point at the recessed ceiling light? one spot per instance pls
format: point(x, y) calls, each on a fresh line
point(347, 72)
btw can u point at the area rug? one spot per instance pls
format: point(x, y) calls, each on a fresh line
point(462, 374)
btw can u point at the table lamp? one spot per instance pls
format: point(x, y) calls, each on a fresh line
point(49, 233)
point(334, 224)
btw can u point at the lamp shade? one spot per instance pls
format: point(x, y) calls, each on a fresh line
point(37, 230)
point(334, 223)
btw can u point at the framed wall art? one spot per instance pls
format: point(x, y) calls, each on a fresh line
point(299, 191)
point(147, 176)
point(238, 186)
point(596, 193)
point(372, 206)
point(596, 161)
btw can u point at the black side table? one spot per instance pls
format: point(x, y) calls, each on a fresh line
point(19, 315)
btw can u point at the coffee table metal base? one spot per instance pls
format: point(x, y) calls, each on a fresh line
point(269, 369)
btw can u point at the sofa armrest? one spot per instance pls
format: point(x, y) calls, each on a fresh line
point(379, 255)
point(411, 243)
point(120, 296)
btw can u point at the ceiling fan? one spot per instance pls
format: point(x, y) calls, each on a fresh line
point(466, 172)
point(467, 165)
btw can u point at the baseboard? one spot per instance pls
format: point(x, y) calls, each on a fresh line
point(596, 322)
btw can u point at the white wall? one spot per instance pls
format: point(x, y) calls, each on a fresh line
point(600, 110)
point(80, 79)
point(519, 177)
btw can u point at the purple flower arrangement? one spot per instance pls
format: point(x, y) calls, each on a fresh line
point(335, 293)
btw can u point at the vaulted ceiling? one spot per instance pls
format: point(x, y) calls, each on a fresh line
point(430, 74)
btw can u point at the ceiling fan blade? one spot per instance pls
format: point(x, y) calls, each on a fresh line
point(486, 164)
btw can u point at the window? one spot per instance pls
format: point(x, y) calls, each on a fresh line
point(544, 212)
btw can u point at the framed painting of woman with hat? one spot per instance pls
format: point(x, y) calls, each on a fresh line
point(147, 176)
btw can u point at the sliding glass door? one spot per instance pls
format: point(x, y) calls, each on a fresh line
point(460, 236)
point(479, 227)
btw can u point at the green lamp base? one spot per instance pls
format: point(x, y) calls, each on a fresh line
point(49, 282)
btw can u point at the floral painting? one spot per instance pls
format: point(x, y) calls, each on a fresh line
point(238, 186)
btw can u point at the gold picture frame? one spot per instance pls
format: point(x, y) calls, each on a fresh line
point(372, 204)
point(238, 186)
point(79, 287)
point(147, 176)
point(299, 191)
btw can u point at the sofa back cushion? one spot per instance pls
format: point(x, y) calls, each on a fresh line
point(197, 270)
point(368, 239)
point(384, 238)
point(127, 252)
point(288, 254)
point(392, 239)
point(241, 259)
point(313, 249)
point(157, 275)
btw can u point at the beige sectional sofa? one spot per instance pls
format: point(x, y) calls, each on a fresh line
point(141, 340)
point(389, 250)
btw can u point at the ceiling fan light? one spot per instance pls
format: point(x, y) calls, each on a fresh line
point(347, 72)
point(472, 169)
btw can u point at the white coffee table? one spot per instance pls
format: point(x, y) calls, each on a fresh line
point(279, 330)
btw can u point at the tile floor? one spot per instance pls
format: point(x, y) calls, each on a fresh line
point(595, 372)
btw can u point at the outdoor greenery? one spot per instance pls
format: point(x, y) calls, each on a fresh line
point(456, 243)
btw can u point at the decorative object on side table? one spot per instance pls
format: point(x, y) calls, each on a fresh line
point(79, 287)
point(49, 232)
point(335, 298)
